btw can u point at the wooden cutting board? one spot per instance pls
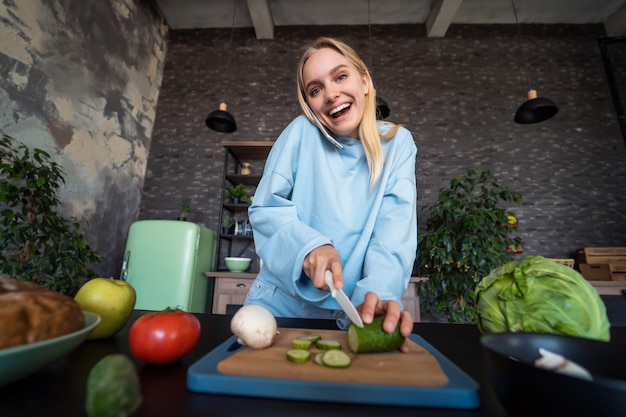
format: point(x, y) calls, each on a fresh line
point(417, 368)
point(421, 378)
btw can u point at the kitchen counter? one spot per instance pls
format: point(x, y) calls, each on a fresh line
point(59, 389)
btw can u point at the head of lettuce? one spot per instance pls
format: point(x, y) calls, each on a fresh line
point(539, 295)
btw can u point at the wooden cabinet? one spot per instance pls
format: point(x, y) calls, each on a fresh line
point(230, 290)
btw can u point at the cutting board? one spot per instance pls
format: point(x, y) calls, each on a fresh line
point(421, 377)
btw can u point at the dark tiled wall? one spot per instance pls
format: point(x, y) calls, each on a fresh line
point(457, 94)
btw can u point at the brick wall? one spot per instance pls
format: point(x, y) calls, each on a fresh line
point(457, 94)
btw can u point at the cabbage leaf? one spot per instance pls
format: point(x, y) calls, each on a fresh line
point(538, 295)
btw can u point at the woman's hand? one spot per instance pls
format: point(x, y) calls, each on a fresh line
point(373, 306)
point(318, 261)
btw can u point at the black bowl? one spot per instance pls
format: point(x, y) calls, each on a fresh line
point(526, 390)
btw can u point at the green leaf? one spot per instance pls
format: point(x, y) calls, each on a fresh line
point(38, 244)
point(463, 240)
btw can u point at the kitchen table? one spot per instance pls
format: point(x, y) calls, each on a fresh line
point(59, 389)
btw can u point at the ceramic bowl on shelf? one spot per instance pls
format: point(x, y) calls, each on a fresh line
point(235, 264)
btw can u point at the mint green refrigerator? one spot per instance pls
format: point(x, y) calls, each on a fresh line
point(165, 261)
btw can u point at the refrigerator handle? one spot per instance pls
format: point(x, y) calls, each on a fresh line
point(124, 272)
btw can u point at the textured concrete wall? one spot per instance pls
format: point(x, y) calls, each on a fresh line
point(457, 94)
point(80, 79)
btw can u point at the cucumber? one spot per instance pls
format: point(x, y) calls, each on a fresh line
point(312, 337)
point(298, 355)
point(371, 338)
point(336, 359)
point(317, 359)
point(301, 344)
point(328, 344)
point(113, 388)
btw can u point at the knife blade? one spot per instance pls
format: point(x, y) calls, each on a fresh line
point(343, 300)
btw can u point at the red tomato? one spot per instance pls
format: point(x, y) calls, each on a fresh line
point(163, 337)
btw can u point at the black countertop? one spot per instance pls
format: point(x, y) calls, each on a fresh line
point(59, 389)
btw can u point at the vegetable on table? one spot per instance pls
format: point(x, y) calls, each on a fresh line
point(539, 295)
point(372, 338)
point(335, 358)
point(113, 388)
point(330, 356)
point(298, 355)
point(328, 344)
point(254, 326)
point(163, 337)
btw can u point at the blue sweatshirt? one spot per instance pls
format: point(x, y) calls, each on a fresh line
point(311, 194)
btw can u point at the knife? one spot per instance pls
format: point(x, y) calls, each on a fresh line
point(343, 300)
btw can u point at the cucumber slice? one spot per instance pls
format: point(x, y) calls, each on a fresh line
point(371, 338)
point(301, 344)
point(336, 359)
point(317, 359)
point(298, 355)
point(328, 344)
point(312, 337)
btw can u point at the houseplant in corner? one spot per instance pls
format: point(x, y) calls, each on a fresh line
point(465, 237)
point(37, 244)
point(184, 211)
point(238, 194)
point(228, 223)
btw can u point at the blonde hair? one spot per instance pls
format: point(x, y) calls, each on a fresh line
point(368, 129)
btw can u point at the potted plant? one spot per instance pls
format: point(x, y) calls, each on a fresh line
point(463, 241)
point(238, 194)
point(37, 244)
point(184, 211)
point(228, 222)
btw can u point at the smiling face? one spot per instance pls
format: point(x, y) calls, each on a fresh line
point(335, 91)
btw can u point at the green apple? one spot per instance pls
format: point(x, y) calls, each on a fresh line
point(112, 299)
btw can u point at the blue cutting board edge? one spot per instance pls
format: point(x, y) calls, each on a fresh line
point(461, 392)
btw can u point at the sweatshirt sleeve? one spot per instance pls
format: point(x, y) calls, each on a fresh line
point(392, 249)
point(280, 238)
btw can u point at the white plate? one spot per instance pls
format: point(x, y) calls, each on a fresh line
point(20, 361)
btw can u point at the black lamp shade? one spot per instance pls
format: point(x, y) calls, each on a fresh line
point(221, 121)
point(535, 110)
point(382, 108)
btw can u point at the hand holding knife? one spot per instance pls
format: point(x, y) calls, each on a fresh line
point(343, 300)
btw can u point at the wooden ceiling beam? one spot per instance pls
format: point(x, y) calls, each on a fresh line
point(261, 18)
point(441, 16)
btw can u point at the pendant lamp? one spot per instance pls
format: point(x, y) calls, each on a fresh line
point(536, 109)
point(221, 120)
point(382, 108)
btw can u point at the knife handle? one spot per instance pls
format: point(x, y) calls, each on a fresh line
point(328, 278)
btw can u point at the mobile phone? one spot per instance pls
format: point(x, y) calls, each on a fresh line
point(325, 132)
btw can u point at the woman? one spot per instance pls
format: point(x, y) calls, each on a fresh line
point(348, 207)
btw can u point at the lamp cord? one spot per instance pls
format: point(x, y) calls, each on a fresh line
point(230, 53)
point(369, 35)
point(519, 36)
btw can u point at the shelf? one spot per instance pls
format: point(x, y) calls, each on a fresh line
point(247, 150)
point(236, 208)
point(228, 274)
point(231, 288)
point(237, 237)
point(249, 180)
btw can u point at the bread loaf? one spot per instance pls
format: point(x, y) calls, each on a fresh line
point(31, 313)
